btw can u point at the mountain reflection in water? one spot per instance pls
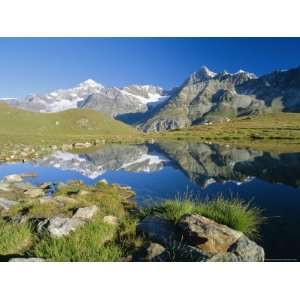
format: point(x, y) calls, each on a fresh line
point(167, 169)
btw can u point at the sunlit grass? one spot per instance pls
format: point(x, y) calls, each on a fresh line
point(234, 213)
point(14, 238)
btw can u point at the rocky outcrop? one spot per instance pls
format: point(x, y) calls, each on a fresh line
point(206, 234)
point(157, 230)
point(206, 96)
point(196, 238)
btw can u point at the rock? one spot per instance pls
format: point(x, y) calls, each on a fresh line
point(247, 250)
point(224, 257)
point(126, 187)
point(60, 226)
point(154, 250)
point(7, 204)
point(5, 187)
point(34, 193)
point(206, 234)
point(158, 230)
point(23, 185)
point(13, 178)
point(82, 145)
point(45, 199)
point(83, 193)
point(86, 213)
point(45, 185)
point(25, 175)
point(29, 259)
point(66, 147)
point(64, 199)
point(110, 220)
point(103, 181)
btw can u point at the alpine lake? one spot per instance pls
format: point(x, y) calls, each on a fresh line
point(172, 169)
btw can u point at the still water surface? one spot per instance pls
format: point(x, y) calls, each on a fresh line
point(169, 169)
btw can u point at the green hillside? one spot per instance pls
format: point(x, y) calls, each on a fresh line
point(18, 125)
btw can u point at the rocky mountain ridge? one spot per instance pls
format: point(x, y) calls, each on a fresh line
point(206, 96)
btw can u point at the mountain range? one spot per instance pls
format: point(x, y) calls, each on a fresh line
point(205, 96)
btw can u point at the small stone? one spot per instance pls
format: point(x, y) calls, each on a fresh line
point(25, 175)
point(110, 220)
point(29, 259)
point(7, 204)
point(83, 193)
point(64, 199)
point(82, 145)
point(85, 213)
point(154, 250)
point(45, 199)
point(103, 181)
point(34, 193)
point(13, 178)
point(66, 147)
point(45, 185)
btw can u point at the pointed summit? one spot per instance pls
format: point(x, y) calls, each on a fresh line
point(203, 74)
point(91, 83)
point(205, 71)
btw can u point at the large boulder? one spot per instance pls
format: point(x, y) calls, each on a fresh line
point(60, 226)
point(218, 242)
point(206, 234)
point(158, 230)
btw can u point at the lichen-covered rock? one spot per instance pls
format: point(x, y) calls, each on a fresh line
point(86, 213)
point(157, 230)
point(60, 226)
point(247, 250)
point(206, 234)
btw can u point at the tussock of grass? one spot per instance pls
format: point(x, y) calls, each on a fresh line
point(14, 238)
point(90, 242)
point(234, 213)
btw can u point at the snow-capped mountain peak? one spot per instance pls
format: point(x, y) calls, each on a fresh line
point(90, 83)
point(250, 75)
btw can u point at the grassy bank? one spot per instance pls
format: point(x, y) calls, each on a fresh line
point(110, 234)
point(279, 132)
point(233, 213)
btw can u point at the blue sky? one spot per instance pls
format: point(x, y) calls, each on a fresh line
point(30, 65)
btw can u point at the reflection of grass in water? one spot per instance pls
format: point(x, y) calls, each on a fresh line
point(234, 213)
